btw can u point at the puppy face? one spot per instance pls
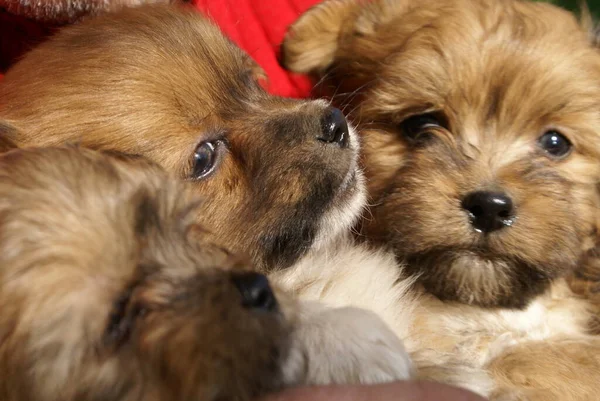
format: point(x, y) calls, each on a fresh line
point(280, 176)
point(481, 141)
point(110, 291)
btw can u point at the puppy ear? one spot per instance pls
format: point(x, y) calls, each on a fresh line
point(329, 29)
point(8, 133)
point(311, 43)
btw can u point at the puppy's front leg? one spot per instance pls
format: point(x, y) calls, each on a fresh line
point(559, 370)
point(349, 346)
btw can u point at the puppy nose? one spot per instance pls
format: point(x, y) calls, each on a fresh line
point(489, 211)
point(334, 128)
point(256, 291)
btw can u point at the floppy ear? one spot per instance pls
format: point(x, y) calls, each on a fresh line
point(8, 134)
point(311, 43)
point(336, 29)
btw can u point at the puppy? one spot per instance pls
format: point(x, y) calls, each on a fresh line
point(479, 122)
point(279, 178)
point(110, 290)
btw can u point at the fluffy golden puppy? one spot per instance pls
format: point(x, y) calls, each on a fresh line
point(479, 122)
point(481, 148)
point(110, 290)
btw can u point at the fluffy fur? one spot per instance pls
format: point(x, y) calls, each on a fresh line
point(453, 97)
point(110, 290)
point(163, 82)
point(160, 82)
point(7, 133)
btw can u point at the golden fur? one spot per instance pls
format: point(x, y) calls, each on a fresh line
point(110, 290)
point(162, 82)
point(7, 134)
point(399, 69)
point(493, 76)
point(170, 92)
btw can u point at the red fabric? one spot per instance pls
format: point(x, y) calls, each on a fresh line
point(257, 26)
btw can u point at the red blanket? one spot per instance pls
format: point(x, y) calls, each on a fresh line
point(257, 26)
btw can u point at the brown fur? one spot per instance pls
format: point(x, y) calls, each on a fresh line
point(7, 134)
point(497, 75)
point(158, 81)
point(542, 353)
point(573, 365)
point(110, 291)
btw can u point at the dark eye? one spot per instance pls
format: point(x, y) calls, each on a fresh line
point(555, 144)
point(417, 128)
point(205, 158)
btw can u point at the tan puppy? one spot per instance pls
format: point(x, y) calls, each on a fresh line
point(110, 291)
point(481, 149)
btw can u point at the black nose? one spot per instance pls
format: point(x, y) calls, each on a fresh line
point(256, 291)
point(489, 211)
point(334, 128)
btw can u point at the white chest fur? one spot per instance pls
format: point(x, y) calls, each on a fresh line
point(452, 343)
point(455, 343)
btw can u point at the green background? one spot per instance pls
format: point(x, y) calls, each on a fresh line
point(573, 5)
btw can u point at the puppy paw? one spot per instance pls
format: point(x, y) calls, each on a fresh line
point(350, 346)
